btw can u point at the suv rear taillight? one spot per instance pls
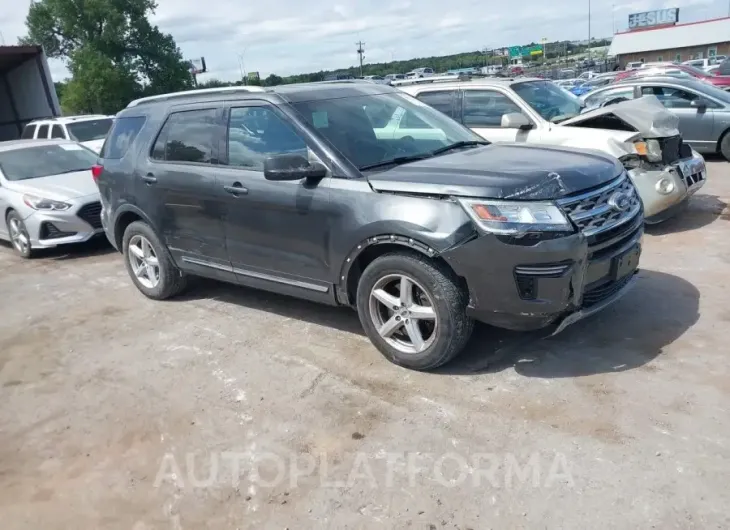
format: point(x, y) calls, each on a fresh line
point(96, 171)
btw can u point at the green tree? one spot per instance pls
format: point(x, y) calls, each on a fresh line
point(112, 50)
point(273, 80)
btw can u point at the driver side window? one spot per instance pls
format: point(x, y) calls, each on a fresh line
point(485, 108)
point(256, 133)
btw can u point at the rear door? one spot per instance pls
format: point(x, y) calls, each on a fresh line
point(176, 186)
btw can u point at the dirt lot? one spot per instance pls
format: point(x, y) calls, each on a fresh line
point(232, 408)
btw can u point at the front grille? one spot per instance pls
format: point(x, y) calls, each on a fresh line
point(91, 213)
point(600, 293)
point(693, 179)
point(604, 209)
point(51, 231)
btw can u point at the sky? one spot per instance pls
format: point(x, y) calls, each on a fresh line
point(290, 36)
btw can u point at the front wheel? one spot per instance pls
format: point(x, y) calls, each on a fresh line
point(19, 236)
point(413, 310)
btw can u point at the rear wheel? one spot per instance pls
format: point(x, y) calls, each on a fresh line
point(149, 264)
point(19, 236)
point(413, 310)
point(725, 146)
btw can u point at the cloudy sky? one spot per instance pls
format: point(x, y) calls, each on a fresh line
point(297, 36)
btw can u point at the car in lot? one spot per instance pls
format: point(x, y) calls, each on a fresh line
point(588, 86)
point(291, 189)
point(703, 110)
point(678, 70)
point(47, 194)
point(642, 135)
point(90, 130)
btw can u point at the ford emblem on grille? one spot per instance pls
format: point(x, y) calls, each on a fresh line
point(620, 201)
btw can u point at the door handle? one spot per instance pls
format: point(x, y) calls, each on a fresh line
point(149, 178)
point(236, 190)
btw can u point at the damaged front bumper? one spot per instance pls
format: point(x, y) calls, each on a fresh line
point(664, 190)
point(519, 285)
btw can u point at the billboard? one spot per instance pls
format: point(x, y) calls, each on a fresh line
point(658, 17)
point(197, 66)
point(523, 51)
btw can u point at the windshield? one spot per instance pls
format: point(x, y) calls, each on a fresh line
point(46, 160)
point(548, 100)
point(377, 129)
point(88, 130)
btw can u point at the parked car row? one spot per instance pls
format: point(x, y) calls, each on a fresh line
point(358, 194)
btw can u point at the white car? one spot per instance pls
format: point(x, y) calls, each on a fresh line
point(705, 63)
point(641, 133)
point(420, 73)
point(48, 196)
point(90, 131)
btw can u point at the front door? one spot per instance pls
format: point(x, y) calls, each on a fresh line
point(277, 233)
point(176, 186)
point(695, 124)
point(483, 110)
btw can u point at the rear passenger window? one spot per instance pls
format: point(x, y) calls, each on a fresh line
point(42, 131)
point(57, 132)
point(255, 133)
point(123, 133)
point(485, 108)
point(441, 101)
point(28, 132)
point(188, 136)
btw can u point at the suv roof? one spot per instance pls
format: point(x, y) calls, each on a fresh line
point(290, 93)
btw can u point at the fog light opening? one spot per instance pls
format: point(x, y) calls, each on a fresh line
point(665, 186)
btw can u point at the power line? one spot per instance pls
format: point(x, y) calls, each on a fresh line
point(361, 53)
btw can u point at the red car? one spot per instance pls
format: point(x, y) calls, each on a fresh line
point(720, 81)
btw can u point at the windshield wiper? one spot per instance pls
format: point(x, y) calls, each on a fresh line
point(397, 161)
point(457, 145)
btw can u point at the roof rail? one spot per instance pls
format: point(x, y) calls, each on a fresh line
point(432, 79)
point(197, 92)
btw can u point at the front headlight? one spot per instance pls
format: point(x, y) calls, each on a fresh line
point(39, 203)
point(512, 217)
point(651, 149)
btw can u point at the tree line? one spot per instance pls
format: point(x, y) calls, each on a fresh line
point(115, 55)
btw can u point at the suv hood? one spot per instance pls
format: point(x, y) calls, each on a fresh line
point(58, 187)
point(502, 171)
point(646, 115)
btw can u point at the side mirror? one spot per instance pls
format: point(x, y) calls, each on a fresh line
point(699, 103)
point(516, 120)
point(292, 167)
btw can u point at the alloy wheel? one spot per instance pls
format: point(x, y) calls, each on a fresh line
point(144, 262)
point(19, 236)
point(403, 313)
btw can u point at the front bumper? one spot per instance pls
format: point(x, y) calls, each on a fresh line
point(568, 278)
point(686, 177)
point(48, 229)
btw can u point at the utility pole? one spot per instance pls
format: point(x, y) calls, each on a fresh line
point(361, 53)
point(589, 30)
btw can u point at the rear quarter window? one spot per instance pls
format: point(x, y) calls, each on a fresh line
point(28, 132)
point(122, 136)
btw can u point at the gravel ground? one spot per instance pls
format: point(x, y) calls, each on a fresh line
point(232, 408)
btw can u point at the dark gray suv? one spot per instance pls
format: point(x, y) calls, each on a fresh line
point(306, 190)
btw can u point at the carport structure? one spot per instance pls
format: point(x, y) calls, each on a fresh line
point(26, 89)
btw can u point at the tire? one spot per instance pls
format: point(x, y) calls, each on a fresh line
point(725, 146)
point(22, 249)
point(171, 281)
point(435, 286)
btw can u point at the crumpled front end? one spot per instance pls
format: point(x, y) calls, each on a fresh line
point(665, 188)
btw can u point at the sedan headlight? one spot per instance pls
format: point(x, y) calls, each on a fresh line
point(39, 203)
point(512, 217)
point(651, 149)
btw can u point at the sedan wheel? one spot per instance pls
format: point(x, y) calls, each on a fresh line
point(143, 260)
point(19, 235)
point(403, 313)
